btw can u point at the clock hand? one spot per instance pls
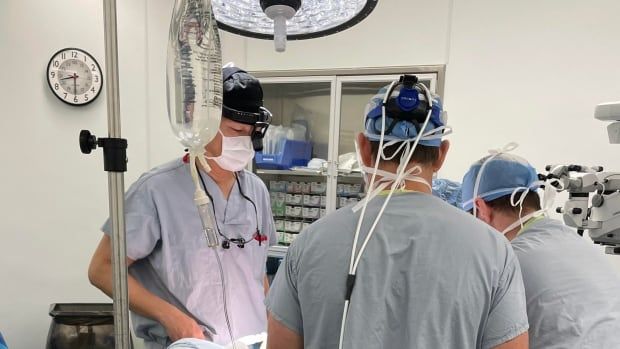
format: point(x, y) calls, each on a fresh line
point(74, 76)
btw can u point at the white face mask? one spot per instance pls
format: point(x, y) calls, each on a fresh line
point(237, 152)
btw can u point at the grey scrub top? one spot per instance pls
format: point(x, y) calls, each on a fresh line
point(172, 260)
point(432, 276)
point(572, 290)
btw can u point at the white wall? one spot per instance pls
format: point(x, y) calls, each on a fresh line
point(54, 199)
point(396, 33)
point(532, 71)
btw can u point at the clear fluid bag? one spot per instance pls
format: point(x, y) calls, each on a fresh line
point(194, 74)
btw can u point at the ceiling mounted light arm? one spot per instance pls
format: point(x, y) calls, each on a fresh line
point(313, 19)
point(280, 11)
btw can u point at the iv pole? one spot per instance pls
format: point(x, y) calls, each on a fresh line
point(115, 163)
point(116, 183)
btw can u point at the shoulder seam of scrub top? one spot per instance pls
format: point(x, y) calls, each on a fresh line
point(147, 176)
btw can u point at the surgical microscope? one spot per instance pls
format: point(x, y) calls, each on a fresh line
point(593, 194)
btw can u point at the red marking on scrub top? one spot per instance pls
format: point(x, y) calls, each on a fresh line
point(260, 238)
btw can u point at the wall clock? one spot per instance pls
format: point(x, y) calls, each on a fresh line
point(74, 76)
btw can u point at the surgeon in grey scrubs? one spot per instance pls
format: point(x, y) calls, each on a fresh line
point(571, 288)
point(175, 285)
point(431, 276)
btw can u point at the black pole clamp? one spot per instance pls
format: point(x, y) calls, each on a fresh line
point(114, 150)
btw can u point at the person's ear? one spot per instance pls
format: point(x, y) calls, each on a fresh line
point(443, 151)
point(484, 211)
point(365, 150)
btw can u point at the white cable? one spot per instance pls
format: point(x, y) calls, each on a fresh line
point(399, 178)
point(374, 174)
point(394, 185)
point(343, 323)
point(361, 219)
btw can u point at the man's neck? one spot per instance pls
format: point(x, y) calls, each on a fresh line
point(514, 232)
point(223, 178)
point(426, 174)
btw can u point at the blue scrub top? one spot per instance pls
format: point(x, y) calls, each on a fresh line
point(172, 260)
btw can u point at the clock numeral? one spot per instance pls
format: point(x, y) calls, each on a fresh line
point(93, 89)
point(93, 68)
point(96, 78)
point(75, 99)
point(73, 54)
point(56, 64)
point(63, 55)
point(86, 97)
point(56, 86)
point(52, 74)
point(65, 95)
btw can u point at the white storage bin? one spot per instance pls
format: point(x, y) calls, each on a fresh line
point(293, 211)
point(294, 199)
point(312, 200)
point(279, 225)
point(318, 188)
point(311, 212)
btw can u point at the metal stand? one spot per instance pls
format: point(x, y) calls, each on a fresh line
point(115, 162)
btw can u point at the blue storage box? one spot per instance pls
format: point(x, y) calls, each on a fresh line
point(295, 153)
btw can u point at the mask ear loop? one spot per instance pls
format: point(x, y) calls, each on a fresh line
point(524, 191)
point(548, 200)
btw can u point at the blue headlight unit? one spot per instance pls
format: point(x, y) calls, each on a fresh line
point(407, 99)
point(406, 108)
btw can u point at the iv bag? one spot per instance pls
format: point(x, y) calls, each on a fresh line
point(194, 74)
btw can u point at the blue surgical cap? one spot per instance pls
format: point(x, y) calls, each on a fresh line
point(403, 129)
point(501, 176)
point(447, 190)
point(2, 343)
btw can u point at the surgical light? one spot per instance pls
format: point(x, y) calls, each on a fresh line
point(292, 19)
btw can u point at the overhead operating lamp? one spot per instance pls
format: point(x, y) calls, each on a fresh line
point(289, 19)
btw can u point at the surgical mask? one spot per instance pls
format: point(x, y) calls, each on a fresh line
point(237, 152)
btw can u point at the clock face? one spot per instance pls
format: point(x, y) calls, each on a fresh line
point(74, 76)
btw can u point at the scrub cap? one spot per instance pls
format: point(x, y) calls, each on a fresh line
point(447, 190)
point(502, 175)
point(242, 91)
point(402, 129)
